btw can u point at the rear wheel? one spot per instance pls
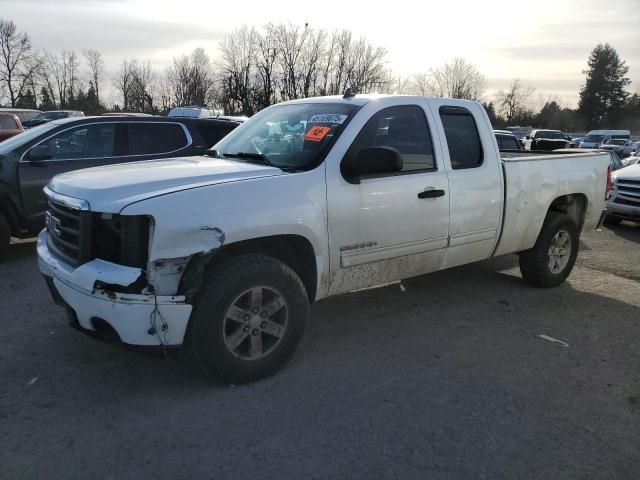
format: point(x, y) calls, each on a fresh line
point(248, 318)
point(5, 235)
point(551, 259)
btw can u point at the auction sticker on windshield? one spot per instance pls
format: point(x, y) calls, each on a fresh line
point(316, 134)
point(336, 118)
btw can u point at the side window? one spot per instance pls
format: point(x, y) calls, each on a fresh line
point(213, 133)
point(152, 138)
point(91, 141)
point(403, 128)
point(463, 139)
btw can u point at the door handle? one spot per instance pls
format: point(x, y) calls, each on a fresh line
point(431, 194)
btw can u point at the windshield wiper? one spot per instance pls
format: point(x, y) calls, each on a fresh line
point(250, 156)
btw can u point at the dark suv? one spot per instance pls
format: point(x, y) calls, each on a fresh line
point(29, 160)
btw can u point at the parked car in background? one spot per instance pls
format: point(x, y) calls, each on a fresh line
point(45, 117)
point(619, 145)
point(624, 202)
point(194, 112)
point(507, 141)
point(575, 142)
point(635, 148)
point(545, 140)
point(31, 159)
point(23, 114)
point(597, 138)
point(226, 254)
point(9, 125)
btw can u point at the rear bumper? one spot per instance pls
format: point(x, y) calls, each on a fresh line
point(138, 319)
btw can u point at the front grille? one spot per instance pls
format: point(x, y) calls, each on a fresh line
point(629, 189)
point(78, 236)
point(69, 233)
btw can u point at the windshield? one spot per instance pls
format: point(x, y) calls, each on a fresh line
point(593, 139)
point(293, 136)
point(51, 115)
point(24, 137)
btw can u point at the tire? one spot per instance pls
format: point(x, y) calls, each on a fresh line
point(536, 263)
point(222, 338)
point(5, 235)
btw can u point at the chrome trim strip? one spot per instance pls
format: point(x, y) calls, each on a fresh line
point(350, 259)
point(184, 129)
point(71, 202)
point(472, 237)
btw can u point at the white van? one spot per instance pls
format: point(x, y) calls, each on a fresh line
point(194, 112)
point(596, 138)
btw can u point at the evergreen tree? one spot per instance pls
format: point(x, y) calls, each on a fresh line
point(26, 100)
point(603, 96)
point(47, 102)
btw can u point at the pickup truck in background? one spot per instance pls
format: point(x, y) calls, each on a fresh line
point(546, 140)
point(624, 201)
point(307, 199)
point(29, 160)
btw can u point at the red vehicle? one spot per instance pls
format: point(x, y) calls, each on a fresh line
point(9, 125)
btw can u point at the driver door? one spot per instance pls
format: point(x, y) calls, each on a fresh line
point(390, 226)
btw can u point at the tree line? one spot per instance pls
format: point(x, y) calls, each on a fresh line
point(258, 67)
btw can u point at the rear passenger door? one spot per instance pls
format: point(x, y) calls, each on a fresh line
point(475, 182)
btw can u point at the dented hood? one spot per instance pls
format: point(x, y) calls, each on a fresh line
point(111, 188)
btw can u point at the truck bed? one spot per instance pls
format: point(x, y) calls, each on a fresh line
point(531, 155)
point(533, 180)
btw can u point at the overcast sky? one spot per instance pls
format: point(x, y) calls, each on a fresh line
point(545, 43)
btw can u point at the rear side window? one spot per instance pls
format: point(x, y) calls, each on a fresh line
point(7, 123)
point(403, 128)
point(463, 139)
point(214, 132)
point(508, 143)
point(155, 138)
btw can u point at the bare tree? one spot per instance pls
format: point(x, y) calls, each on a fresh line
point(190, 78)
point(512, 102)
point(96, 70)
point(238, 69)
point(137, 83)
point(422, 84)
point(18, 61)
point(459, 79)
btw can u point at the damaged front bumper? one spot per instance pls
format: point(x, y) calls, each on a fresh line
point(138, 319)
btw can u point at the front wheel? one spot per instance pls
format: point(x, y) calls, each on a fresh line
point(248, 318)
point(551, 259)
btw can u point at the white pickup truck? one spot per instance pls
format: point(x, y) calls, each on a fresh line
point(224, 253)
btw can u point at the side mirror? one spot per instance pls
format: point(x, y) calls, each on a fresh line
point(40, 152)
point(372, 161)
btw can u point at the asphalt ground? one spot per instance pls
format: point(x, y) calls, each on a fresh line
point(444, 376)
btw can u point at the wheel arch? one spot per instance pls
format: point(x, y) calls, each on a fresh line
point(573, 204)
point(295, 251)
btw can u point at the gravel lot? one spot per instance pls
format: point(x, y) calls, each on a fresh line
point(443, 377)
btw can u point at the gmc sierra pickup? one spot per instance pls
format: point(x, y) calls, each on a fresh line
point(307, 199)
